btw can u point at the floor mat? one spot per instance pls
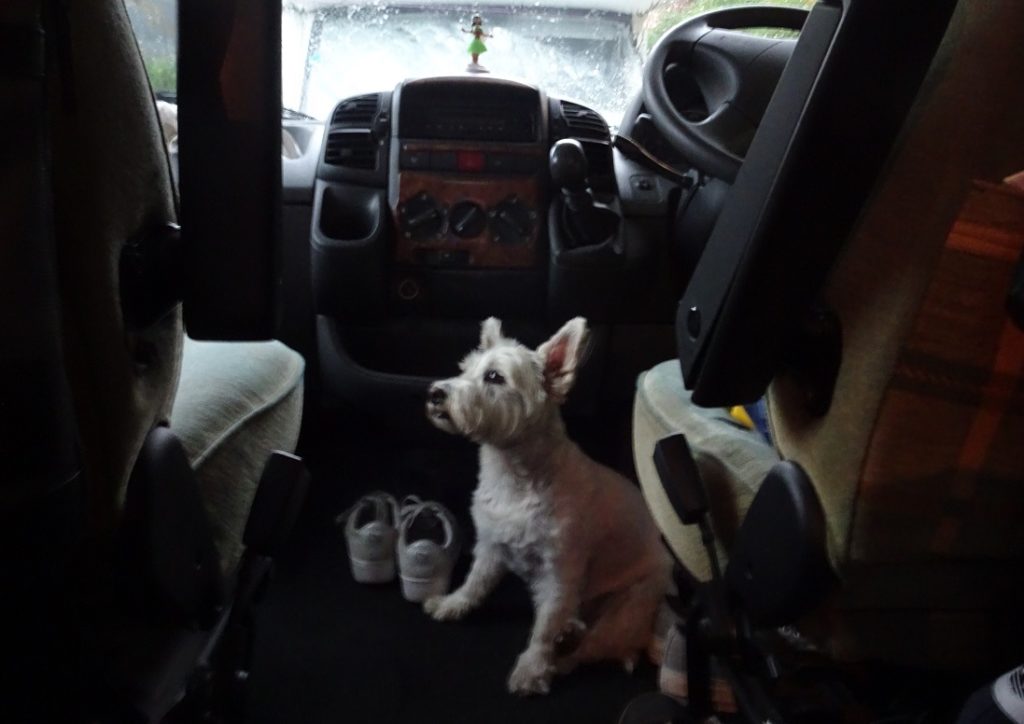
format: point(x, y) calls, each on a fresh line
point(331, 650)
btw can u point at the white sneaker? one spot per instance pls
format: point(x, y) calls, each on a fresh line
point(370, 533)
point(428, 545)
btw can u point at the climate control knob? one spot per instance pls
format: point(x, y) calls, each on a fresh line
point(421, 217)
point(466, 220)
point(512, 221)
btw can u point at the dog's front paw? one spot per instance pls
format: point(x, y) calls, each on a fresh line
point(568, 640)
point(532, 674)
point(446, 608)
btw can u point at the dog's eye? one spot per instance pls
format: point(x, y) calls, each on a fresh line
point(493, 377)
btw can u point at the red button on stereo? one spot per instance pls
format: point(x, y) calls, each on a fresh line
point(470, 160)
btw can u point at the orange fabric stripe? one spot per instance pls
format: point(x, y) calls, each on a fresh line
point(1008, 362)
point(991, 223)
point(991, 247)
point(983, 240)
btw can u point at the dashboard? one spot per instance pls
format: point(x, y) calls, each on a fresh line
point(435, 199)
point(470, 178)
point(464, 162)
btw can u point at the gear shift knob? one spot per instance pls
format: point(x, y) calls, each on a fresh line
point(567, 164)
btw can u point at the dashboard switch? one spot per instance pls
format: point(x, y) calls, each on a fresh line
point(414, 159)
point(499, 163)
point(642, 182)
point(471, 161)
point(444, 161)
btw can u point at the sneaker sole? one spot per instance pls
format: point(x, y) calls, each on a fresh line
point(382, 571)
point(418, 590)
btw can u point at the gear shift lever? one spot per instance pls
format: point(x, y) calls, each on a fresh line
point(584, 223)
point(568, 166)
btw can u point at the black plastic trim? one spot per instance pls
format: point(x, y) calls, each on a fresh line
point(793, 205)
point(229, 116)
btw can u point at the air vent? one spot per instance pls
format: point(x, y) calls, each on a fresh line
point(352, 139)
point(358, 111)
point(583, 122)
point(352, 148)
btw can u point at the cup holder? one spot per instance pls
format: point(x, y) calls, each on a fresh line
point(349, 215)
point(348, 251)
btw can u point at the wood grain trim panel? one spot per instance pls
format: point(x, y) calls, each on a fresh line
point(487, 190)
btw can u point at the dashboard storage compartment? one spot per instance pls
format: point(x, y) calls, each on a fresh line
point(349, 240)
point(348, 218)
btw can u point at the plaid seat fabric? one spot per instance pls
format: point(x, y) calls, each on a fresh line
point(918, 462)
point(925, 504)
point(944, 473)
point(929, 539)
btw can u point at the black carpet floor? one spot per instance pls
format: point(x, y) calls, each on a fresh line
point(331, 650)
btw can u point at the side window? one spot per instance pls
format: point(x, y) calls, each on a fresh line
point(666, 15)
point(155, 23)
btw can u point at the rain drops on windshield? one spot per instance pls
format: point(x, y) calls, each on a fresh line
point(588, 56)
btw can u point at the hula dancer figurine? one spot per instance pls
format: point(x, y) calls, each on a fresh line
point(476, 45)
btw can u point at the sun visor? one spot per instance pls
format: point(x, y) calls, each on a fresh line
point(229, 126)
point(824, 137)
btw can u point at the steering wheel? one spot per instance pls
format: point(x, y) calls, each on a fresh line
point(735, 74)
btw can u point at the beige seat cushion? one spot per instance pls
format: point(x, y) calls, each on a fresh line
point(732, 461)
point(237, 402)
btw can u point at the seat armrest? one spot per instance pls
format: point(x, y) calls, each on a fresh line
point(166, 539)
point(779, 569)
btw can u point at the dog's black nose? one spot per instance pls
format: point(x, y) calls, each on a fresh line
point(437, 395)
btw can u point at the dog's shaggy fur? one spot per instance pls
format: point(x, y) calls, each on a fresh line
point(577, 532)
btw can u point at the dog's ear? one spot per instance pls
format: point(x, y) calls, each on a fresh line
point(490, 332)
point(562, 355)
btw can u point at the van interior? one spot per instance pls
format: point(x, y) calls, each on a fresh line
point(795, 232)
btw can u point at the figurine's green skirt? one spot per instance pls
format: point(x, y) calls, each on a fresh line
point(477, 46)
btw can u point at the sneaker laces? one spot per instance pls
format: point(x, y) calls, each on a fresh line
point(409, 505)
point(412, 506)
point(382, 504)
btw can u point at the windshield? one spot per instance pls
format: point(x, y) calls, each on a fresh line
point(589, 51)
point(586, 55)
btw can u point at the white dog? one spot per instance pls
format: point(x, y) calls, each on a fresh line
point(577, 532)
